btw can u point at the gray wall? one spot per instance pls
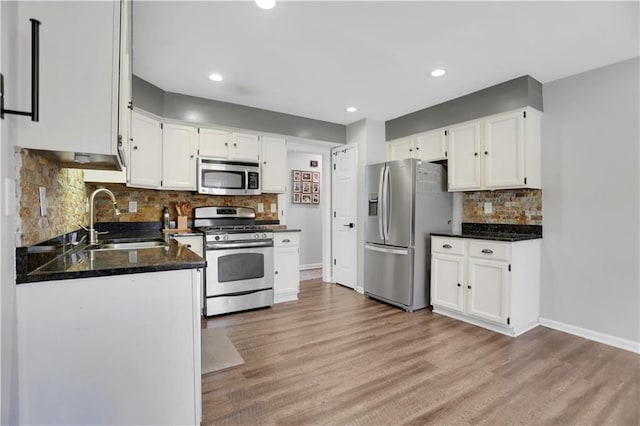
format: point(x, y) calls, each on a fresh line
point(203, 111)
point(507, 96)
point(8, 138)
point(307, 217)
point(590, 159)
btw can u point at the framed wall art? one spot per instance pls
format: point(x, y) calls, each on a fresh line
point(305, 187)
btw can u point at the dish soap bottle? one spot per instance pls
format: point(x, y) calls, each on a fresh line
point(165, 218)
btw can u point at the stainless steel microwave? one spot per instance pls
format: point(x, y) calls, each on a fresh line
point(221, 177)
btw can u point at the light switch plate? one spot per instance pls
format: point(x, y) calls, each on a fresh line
point(488, 208)
point(260, 208)
point(274, 207)
point(133, 206)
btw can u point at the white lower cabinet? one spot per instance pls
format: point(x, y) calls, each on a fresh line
point(286, 270)
point(119, 349)
point(492, 284)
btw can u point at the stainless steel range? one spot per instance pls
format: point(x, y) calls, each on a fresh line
point(239, 259)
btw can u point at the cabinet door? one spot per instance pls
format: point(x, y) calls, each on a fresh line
point(286, 271)
point(78, 76)
point(125, 102)
point(464, 156)
point(503, 151)
point(447, 279)
point(179, 149)
point(245, 147)
point(400, 149)
point(145, 170)
point(431, 146)
point(274, 164)
point(214, 143)
point(488, 290)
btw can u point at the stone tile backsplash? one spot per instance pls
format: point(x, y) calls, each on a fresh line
point(510, 206)
point(65, 198)
point(150, 203)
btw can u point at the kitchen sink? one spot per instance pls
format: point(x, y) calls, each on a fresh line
point(127, 245)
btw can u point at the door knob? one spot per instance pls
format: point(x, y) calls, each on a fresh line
point(350, 225)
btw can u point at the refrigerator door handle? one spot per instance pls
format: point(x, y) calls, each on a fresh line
point(386, 204)
point(403, 252)
point(381, 203)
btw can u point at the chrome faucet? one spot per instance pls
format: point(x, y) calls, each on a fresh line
point(93, 234)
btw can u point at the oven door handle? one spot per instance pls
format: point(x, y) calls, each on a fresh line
point(219, 246)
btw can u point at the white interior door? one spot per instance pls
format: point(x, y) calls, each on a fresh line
point(344, 202)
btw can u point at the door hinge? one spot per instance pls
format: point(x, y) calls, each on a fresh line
point(161, 183)
point(334, 214)
point(198, 130)
point(508, 321)
point(198, 152)
point(509, 267)
point(334, 261)
point(334, 167)
point(524, 114)
point(446, 132)
point(162, 125)
point(525, 181)
point(445, 153)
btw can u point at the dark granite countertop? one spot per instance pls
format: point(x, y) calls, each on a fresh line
point(59, 259)
point(287, 230)
point(495, 232)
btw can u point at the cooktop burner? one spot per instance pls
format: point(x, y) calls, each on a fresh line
point(228, 228)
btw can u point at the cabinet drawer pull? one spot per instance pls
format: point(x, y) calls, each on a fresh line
point(487, 251)
point(447, 246)
point(286, 240)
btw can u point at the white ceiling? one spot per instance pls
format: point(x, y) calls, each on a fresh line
point(313, 59)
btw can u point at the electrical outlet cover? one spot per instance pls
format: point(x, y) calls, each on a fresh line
point(133, 206)
point(260, 208)
point(274, 208)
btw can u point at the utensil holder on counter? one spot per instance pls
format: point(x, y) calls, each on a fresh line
point(182, 222)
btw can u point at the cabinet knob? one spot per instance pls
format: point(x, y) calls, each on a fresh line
point(417, 148)
point(459, 285)
point(487, 251)
point(469, 287)
point(192, 156)
point(226, 144)
point(235, 144)
point(410, 150)
point(475, 154)
point(447, 246)
point(188, 245)
point(135, 147)
point(264, 162)
point(486, 153)
point(276, 272)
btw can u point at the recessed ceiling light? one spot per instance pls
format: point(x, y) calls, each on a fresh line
point(351, 109)
point(438, 72)
point(266, 4)
point(215, 77)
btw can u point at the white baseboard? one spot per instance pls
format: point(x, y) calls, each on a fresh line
point(360, 289)
point(596, 336)
point(310, 266)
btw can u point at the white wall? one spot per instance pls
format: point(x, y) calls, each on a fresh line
point(369, 136)
point(591, 198)
point(307, 217)
point(8, 137)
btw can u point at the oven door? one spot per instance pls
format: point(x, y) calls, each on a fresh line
point(239, 267)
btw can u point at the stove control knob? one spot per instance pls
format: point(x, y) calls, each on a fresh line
point(217, 237)
point(256, 236)
point(263, 236)
point(225, 237)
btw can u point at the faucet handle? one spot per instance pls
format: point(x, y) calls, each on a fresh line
point(83, 227)
point(101, 233)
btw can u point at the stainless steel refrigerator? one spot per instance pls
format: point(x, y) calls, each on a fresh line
point(407, 200)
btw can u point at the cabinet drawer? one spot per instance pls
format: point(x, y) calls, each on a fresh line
point(490, 250)
point(447, 245)
point(286, 239)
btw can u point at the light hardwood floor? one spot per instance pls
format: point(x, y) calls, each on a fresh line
point(336, 357)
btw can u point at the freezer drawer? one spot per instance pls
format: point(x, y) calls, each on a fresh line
point(388, 274)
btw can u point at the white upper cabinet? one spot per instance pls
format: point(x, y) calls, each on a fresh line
point(274, 164)
point(179, 150)
point(431, 146)
point(126, 88)
point(145, 168)
point(400, 149)
point(427, 146)
point(229, 145)
point(214, 142)
point(505, 155)
point(79, 67)
point(464, 156)
point(244, 146)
